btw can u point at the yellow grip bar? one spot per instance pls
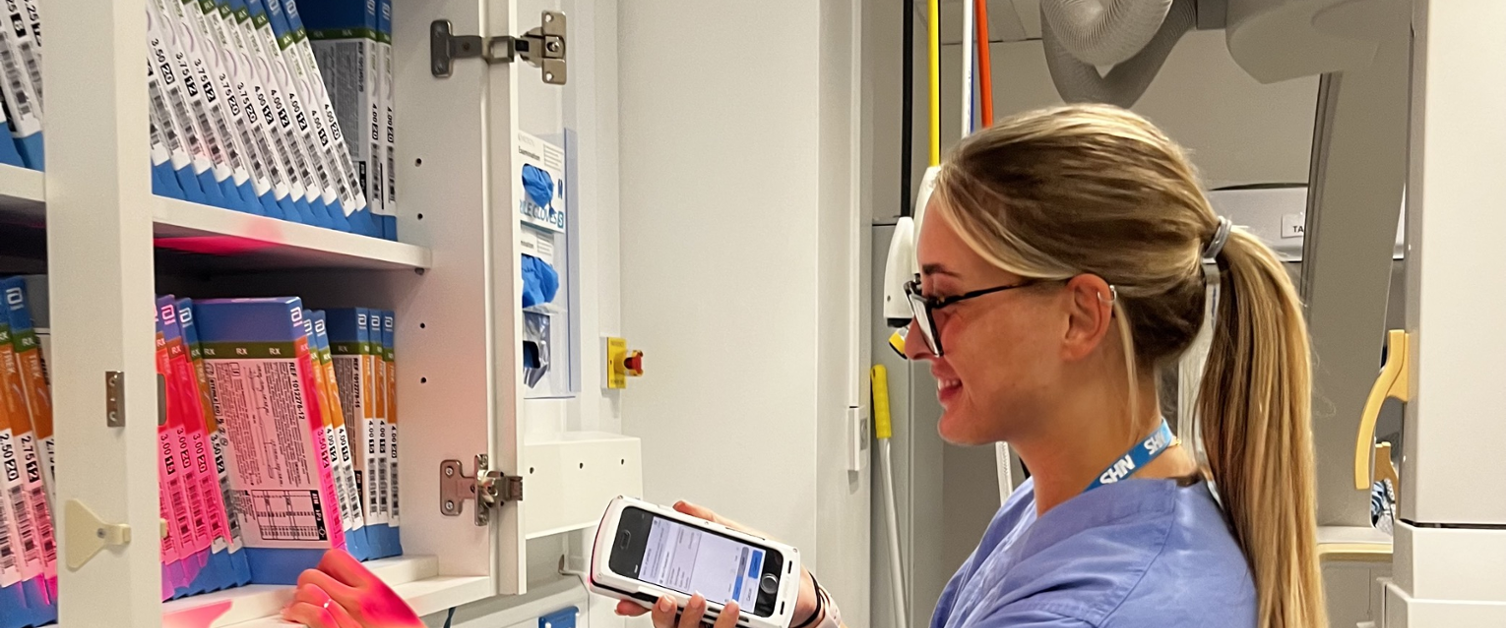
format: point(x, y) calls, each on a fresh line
point(1393, 384)
point(880, 379)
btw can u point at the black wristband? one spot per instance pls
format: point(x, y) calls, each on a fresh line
point(820, 606)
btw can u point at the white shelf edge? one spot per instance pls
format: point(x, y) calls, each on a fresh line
point(296, 242)
point(23, 192)
point(414, 578)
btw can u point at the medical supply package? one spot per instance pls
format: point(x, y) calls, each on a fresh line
point(355, 336)
point(30, 407)
point(389, 355)
point(25, 592)
point(21, 63)
point(219, 444)
point(342, 37)
point(260, 367)
point(198, 571)
point(337, 440)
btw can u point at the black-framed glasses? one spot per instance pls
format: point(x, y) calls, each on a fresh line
point(924, 307)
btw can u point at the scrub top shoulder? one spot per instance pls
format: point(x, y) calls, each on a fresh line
point(1137, 553)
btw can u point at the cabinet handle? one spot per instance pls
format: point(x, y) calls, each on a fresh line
point(1392, 383)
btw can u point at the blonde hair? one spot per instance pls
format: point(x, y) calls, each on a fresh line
point(1093, 189)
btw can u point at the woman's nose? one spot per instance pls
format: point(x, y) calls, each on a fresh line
point(916, 347)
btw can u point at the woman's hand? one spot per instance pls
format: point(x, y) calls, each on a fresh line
point(664, 611)
point(341, 593)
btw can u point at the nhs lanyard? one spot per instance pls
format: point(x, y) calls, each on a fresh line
point(1138, 456)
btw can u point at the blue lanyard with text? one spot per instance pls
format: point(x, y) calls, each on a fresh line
point(1138, 456)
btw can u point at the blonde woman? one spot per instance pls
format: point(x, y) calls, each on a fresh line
point(1062, 265)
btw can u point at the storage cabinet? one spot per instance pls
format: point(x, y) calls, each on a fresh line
point(453, 279)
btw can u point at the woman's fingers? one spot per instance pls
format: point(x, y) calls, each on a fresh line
point(310, 615)
point(342, 593)
point(664, 613)
point(345, 568)
point(728, 618)
point(343, 617)
point(630, 609)
point(704, 513)
point(695, 611)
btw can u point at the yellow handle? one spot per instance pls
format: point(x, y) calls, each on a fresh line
point(1392, 383)
point(880, 378)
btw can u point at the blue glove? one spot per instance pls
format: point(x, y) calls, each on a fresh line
point(538, 185)
point(540, 281)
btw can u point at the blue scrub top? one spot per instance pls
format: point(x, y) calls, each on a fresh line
point(1134, 554)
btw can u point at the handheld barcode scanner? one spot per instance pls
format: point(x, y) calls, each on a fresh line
point(644, 551)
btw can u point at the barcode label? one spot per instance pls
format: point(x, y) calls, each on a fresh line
point(392, 433)
point(382, 487)
point(7, 550)
point(197, 509)
point(44, 524)
point(233, 155)
point(22, 106)
point(180, 112)
point(201, 118)
point(33, 71)
point(154, 131)
point(23, 522)
point(391, 182)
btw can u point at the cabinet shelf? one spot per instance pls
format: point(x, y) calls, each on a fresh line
point(414, 578)
point(220, 238)
point(22, 194)
point(245, 241)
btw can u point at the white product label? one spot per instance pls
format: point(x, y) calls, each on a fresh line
point(221, 445)
point(1293, 225)
point(261, 402)
point(13, 559)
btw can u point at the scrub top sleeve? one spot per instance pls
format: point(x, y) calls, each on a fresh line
point(1028, 618)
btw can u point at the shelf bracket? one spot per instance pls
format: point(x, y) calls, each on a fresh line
point(542, 47)
point(87, 534)
point(489, 489)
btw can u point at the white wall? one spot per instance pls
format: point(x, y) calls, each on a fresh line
point(736, 231)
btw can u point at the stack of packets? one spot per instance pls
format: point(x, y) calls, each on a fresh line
point(274, 448)
point(28, 550)
point(241, 115)
point(264, 463)
point(243, 118)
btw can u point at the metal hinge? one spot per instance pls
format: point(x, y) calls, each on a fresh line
point(542, 47)
point(490, 489)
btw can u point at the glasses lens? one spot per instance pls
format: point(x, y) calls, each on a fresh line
point(923, 318)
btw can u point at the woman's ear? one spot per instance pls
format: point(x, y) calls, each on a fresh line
point(1090, 313)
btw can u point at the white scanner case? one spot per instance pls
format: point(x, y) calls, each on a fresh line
point(605, 581)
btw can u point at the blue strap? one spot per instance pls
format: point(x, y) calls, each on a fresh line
point(1138, 456)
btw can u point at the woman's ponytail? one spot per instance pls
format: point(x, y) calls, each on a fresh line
point(1254, 408)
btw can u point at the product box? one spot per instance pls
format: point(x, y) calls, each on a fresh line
point(374, 333)
point(185, 552)
point(343, 37)
point(23, 574)
point(261, 378)
point(219, 443)
point(335, 437)
point(355, 360)
point(186, 412)
point(389, 141)
point(389, 354)
point(31, 423)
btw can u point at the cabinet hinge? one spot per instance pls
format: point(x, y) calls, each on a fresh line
point(489, 489)
point(543, 47)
